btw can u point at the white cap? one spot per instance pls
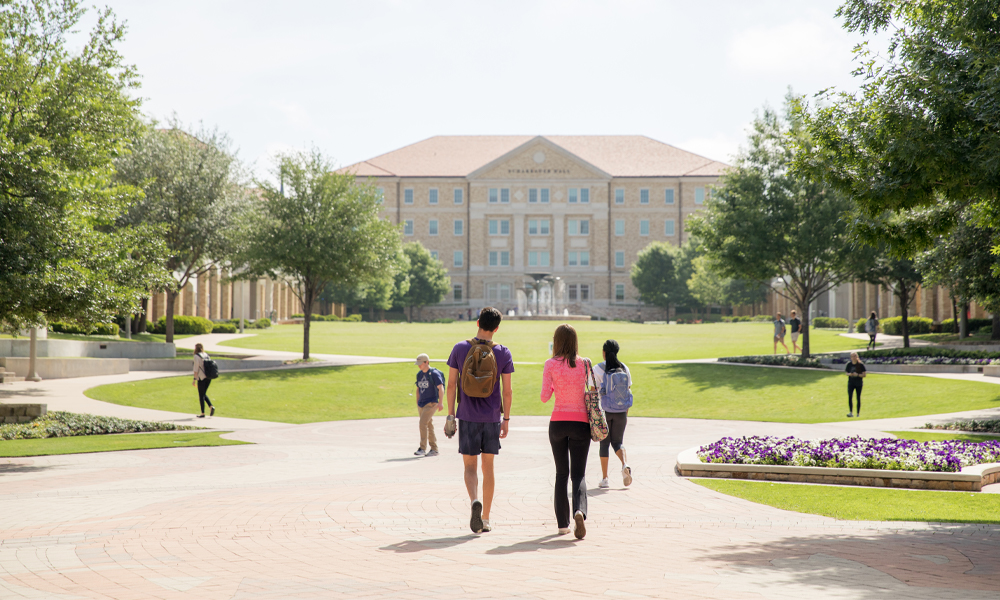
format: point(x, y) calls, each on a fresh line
point(422, 358)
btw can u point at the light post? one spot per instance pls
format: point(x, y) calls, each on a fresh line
point(32, 354)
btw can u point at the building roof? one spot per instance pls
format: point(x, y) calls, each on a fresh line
point(460, 155)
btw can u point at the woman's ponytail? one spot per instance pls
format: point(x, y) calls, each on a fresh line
point(611, 356)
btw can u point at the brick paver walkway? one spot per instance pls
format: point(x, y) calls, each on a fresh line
point(343, 510)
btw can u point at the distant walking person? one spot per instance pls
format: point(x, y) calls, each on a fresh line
point(430, 398)
point(871, 328)
point(565, 374)
point(202, 378)
point(779, 333)
point(856, 372)
point(477, 369)
point(615, 384)
point(795, 324)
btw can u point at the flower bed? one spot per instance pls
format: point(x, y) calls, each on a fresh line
point(776, 361)
point(919, 360)
point(851, 453)
point(64, 424)
point(929, 352)
point(988, 426)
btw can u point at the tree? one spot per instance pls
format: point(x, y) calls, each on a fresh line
point(659, 276)
point(899, 275)
point(427, 277)
point(742, 292)
point(66, 114)
point(921, 130)
point(320, 228)
point(194, 196)
point(705, 285)
point(769, 224)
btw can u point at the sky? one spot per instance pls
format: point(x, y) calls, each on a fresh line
point(358, 79)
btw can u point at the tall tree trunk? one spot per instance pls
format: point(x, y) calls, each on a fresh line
point(371, 313)
point(904, 304)
point(381, 314)
point(140, 323)
point(171, 302)
point(306, 321)
point(963, 331)
point(995, 326)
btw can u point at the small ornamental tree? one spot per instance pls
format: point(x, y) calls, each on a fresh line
point(428, 279)
point(659, 276)
point(320, 228)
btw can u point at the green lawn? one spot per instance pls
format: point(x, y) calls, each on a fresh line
point(112, 443)
point(920, 436)
point(944, 338)
point(704, 391)
point(865, 504)
point(529, 340)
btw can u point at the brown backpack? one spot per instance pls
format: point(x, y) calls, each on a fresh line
point(479, 371)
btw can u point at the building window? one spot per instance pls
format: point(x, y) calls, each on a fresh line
point(668, 196)
point(536, 195)
point(379, 195)
point(408, 196)
point(499, 227)
point(572, 259)
point(538, 259)
point(408, 227)
point(498, 292)
point(699, 195)
point(532, 259)
point(585, 258)
point(643, 196)
point(574, 195)
point(432, 196)
point(494, 259)
point(538, 227)
point(494, 195)
point(620, 292)
point(579, 227)
point(579, 292)
point(619, 226)
point(533, 196)
point(432, 227)
point(668, 227)
point(581, 195)
point(584, 195)
point(573, 295)
point(502, 195)
point(620, 196)
point(644, 227)
point(456, 292)
point(459, 195)
point(581, 259)
point(620, 259)
point(504, 258)
point(434, 254)
point(458, 258)
point(459, 227)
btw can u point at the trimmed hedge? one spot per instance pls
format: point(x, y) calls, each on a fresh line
point(947, 325)
point(931, 352)
point(894, 325)
point(183, 325)
point(65, 424)
point(829, 323)
point(73, 328)
point(224, 328)
point(779, 360)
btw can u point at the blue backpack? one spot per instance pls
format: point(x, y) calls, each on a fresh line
point(615, 395)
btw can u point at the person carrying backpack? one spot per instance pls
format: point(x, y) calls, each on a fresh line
point(615, 383)
point(205, 370)
point(476, 370)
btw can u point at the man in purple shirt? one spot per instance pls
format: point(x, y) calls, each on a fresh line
point(480, 426)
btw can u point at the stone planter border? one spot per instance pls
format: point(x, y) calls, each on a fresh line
point(969, 479)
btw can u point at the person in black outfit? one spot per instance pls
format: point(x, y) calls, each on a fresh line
point(855, 382)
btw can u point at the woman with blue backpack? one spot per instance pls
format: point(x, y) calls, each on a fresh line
point(615, 383)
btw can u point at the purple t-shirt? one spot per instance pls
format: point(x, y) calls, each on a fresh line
point(481, 410)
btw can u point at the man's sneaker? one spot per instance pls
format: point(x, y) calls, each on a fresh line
point(432, 453)
point(476, 522)
point(849, 415)
point(581, 528)
point(419, 452)
point(627, 475)
point(487, 526)
point(605, 484)
point(564, 530)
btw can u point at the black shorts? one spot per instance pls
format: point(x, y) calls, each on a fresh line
point(478, 438)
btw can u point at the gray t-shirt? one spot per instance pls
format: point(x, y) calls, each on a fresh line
point(779, 327)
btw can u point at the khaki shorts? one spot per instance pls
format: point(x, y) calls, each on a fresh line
point(795, 336)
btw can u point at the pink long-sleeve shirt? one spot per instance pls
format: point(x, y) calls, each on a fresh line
point(568, 384)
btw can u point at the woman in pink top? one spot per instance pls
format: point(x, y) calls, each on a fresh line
point(565, 374)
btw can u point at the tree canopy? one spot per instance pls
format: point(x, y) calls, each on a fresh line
point(67, 114)
point(428, 278)
point(660, 273)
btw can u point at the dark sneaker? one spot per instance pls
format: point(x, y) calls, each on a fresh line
point(213, 412)
point(432, 453)
point(849, 415)
point(201, 416)
point(419, 452)
point(581, 527)
point(476, 522)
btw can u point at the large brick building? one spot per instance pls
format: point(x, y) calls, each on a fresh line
point(501, 212)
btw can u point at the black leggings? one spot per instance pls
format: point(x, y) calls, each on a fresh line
point(616, 432)
point(203, 393)
point(570, 442)
point(871, 340)
point(854, 385)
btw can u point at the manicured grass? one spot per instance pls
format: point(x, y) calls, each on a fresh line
point(865, 504)
point(112, 443)
point(702, 391)
point(529, 340)
point(920, 436)
point(944, 338)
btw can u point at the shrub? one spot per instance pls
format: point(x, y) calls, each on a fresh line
point(894, 325)
point(947, 325)
point(776, 361)
point(105, 329)
point(829, 323)
point(988, 426)
point(262, 323)
point(185, 325)
point(988, 330)
point(224, 328)
point(444, 320)
point(75, 329)
point(64, 424)
point(931, 352)
point(355, 318)
point(298, 316)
